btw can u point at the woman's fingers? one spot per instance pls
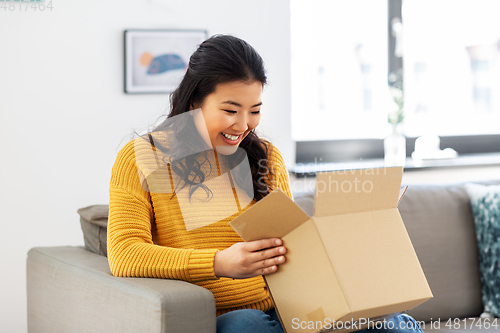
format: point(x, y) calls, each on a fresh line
point(247, 259)
point(263, 244)
point(267, 270)
point(263, 255)
point(267, 259)
point(269, 265)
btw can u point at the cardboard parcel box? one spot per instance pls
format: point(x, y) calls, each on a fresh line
point(352, 263)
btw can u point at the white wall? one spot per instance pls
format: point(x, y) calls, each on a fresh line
point(63, 115)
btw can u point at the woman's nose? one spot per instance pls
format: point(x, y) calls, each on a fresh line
point(241, 124)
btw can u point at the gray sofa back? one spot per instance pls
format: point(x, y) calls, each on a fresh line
point(439, 221)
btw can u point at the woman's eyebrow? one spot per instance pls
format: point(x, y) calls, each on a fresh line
point(238, 104)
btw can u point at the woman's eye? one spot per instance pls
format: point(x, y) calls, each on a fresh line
point(233, 112)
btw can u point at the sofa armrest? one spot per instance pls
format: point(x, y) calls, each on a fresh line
point(72, 290)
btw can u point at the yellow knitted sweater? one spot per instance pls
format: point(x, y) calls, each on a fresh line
point(148, 237)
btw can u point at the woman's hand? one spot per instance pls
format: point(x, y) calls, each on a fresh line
point(248, 259)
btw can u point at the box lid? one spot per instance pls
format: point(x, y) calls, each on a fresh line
point(351, 191)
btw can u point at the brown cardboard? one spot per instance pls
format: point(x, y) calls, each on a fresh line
point(352, 262)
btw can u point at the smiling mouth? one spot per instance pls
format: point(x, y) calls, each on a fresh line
point(231, 139)
point(231, 136)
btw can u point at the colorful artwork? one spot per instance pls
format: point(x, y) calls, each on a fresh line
point(161, 63)
point(156, 60)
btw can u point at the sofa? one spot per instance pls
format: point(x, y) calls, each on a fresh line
point(71, 289)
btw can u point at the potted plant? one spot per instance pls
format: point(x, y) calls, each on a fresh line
point(395, 143)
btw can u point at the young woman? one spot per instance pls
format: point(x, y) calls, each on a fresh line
point(174, 191)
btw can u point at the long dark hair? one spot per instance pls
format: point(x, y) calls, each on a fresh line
point(219, 59)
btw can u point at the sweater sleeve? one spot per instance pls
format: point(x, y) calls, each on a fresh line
point(131, 251)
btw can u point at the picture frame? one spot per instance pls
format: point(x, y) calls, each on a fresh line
point(156, 60)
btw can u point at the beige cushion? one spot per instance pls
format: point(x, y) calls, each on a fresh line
point(94, 223)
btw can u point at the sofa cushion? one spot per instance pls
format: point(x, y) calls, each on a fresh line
point(439, 222)
point(94, 223)
point(485, 203)
point(305, 200)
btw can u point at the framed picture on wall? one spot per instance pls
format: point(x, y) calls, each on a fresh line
point(156, 60)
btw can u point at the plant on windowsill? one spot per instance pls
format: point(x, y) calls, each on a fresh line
point(395, 143)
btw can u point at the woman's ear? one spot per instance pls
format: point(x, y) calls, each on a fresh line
point(194, 106)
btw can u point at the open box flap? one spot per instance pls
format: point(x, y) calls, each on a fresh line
point(402, 192)
point(351, 191)
point(273, 216)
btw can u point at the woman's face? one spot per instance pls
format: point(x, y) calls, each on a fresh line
point(230, 113)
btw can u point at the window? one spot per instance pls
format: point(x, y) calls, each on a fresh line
point(340, 64)
point(451, 67)
point(339, 69)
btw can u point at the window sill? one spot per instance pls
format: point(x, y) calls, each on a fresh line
point(465, 160)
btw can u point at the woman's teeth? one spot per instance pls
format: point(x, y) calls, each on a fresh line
point(230, 137)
